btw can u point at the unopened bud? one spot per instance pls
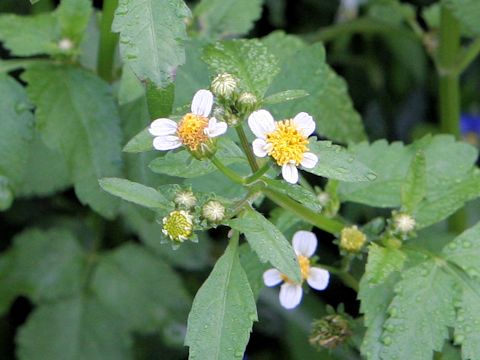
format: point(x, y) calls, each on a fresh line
point(247, 102)
point(178, 226)
point(352, 239)
point(224, 85)
point(323, 198)
point(65, 44)
point(213, 211)
point(6, 194)
point(404, 223)
point(186, 199)
point(330, 331)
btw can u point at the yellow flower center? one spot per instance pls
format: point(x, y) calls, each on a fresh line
point(304, 263)
point(286, 144)
point(352, 239)
point(191, 130)
point(178, 225)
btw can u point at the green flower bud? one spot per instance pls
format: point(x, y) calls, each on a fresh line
point(224, 85)
point(213, 211)
point(352, 239)
point(247, 102)
point(178, 226)
point(186, 199)
point(330, 331)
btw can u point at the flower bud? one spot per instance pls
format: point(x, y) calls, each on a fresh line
point(6, 194)
point(213, 211)
point(323, 198)
point(224, 85)
point(186, 199)
point(247, 102)
point(65, 44)
point(178, 226)
point(352, 239)
point(330, 331)
point(404, 223)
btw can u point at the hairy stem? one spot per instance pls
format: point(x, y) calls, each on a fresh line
point(108, 41)
point(232, 175)
point(246, 148)
point(346, 278)
point(258, 174)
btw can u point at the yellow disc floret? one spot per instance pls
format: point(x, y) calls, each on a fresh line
point(178, 225)
point(286, 143)
point(191, 130)
point(304, 263)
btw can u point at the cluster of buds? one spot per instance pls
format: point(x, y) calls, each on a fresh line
point(330, 331)
point(352, 240)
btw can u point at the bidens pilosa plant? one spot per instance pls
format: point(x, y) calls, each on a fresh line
point(172, 173)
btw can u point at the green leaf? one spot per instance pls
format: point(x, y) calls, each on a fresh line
point(382, 262)
point(248, 60)
point(268, 242)
point(73, 329)
point(221, 18)
point(151, 36)
point(44, 265)
point(182, 164)
point(134, 192)
point(73, 17)
point(284, 96)
point(415, 186)
point(296, 192)
point(413, 331)
point(328, 102)
point(253, 268)
point(223, 311)
point(29, 35)
point(155, 301)
point(467, 12)
point(160, 100)
point(141, 142)
point(375, 300)
point(338, 163)
point(464, 250)
point(467, 331)
point(76, 114)
point(16, 130)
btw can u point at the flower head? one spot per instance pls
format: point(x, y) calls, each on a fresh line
point(178, 225)
point(285, 141)
point(65, 44)
point(352, 239)
point(404, 223)
point(213, 211)
point(185, 198)
point(224, 85)
point(304, 244)
point(194, 130)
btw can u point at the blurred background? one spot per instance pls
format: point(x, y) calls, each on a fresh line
point(393, 85)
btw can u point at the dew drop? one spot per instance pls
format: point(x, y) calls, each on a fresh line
point(467, 244)
point(371, 176)
point(452, 246)
point(387, 340)
point(459, 338)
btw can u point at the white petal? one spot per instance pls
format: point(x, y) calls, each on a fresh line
point(305, 123)
point(290, 173)
point(318, 278)
point(261, 122)
point(272, 277)
point(304, 243)
point(259, 147)
point(166, 142)
point(215, 128)
point(309, 160)
point(290, 295)
point(161, 127)
point(202, 103)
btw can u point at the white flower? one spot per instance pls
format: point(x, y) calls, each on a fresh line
point(304, 244)
point(285, 141)
point(193, 130)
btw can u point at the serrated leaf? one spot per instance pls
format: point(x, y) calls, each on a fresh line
point(160, 100)
point(415, 186)
point(73, 17)
point(382, 262)
point(375, 300)
point(335, 162)
point(16, 130)
point(467, 12)
point(248, 60)
point(223, 311)
point(158, 299)
point(413, 331)
point(221, 18)
point(296, 192)
point(182, 164)
point(73, 329)
point(253, 268)
point(141, 142)
point(328, 102)
point(134, 192)
point(43, 265)
point(76, 114)
point(268, 242)
point(467, 331)
point(29, 35)
point(151, 37)
point(284, 96)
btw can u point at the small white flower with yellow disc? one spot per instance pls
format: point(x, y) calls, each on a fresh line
point(194, 130)
point(285, 141)
point(304, 243)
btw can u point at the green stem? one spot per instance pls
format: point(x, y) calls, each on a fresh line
point(258, 174)
point(467, 57)
point(330, 225)
point(246, 147)
point(43, 6)
point(108, 41)
point(449, 92)
point(232, 175)
point(346, 278)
